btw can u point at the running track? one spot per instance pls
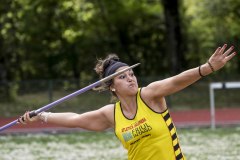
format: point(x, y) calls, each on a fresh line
point(192, 118)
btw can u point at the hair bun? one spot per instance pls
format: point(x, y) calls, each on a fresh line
point(110, 59)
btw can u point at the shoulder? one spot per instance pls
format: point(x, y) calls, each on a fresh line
point(155, 89)
point(107, 108)
point(158, 103)
point(146, 93)
point(108, 112)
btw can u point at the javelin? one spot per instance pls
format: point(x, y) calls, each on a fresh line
point(48, 106)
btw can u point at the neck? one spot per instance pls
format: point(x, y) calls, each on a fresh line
point(129, 105)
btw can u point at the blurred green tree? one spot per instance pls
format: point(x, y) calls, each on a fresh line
point(52, 39)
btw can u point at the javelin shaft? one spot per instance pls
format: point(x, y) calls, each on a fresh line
point(74, 94)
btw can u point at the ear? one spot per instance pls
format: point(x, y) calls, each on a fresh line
point(112, 88)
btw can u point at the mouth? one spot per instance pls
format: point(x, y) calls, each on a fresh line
point(132, 85)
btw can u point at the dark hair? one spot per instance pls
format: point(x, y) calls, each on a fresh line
point(103, 64)
point(100, 68)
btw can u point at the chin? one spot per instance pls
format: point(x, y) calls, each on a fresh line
point(133, 90)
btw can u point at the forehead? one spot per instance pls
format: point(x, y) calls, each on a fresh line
point(121, 68)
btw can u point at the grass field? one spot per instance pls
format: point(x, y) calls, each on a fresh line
point(197, 144)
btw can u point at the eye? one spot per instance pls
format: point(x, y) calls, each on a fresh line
point(131, 74)
point(122, 76)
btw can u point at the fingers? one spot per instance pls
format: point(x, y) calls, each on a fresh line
point(228, 51)
point(21, 120)
point(221, 56)
point(222, 49)
point(230, 56)
point(28, 117)
point(226, 55)
point(25, 118)
point(217, 51)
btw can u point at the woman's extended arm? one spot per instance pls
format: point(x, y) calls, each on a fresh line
point(176, 83)
point(97, 120)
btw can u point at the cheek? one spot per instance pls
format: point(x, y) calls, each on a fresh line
point(116, 83)
point(119, 85)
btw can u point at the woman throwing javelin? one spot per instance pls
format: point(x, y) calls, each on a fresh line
point(140, 118)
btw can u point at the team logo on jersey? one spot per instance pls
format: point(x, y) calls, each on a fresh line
point(135, 130)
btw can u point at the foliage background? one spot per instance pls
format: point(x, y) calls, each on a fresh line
point(45, 40)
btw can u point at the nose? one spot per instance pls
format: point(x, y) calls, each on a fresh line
point(129, 79)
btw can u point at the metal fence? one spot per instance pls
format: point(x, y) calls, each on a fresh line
point(17, 97)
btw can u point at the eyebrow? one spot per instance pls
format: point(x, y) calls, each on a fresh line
point(130, 70)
